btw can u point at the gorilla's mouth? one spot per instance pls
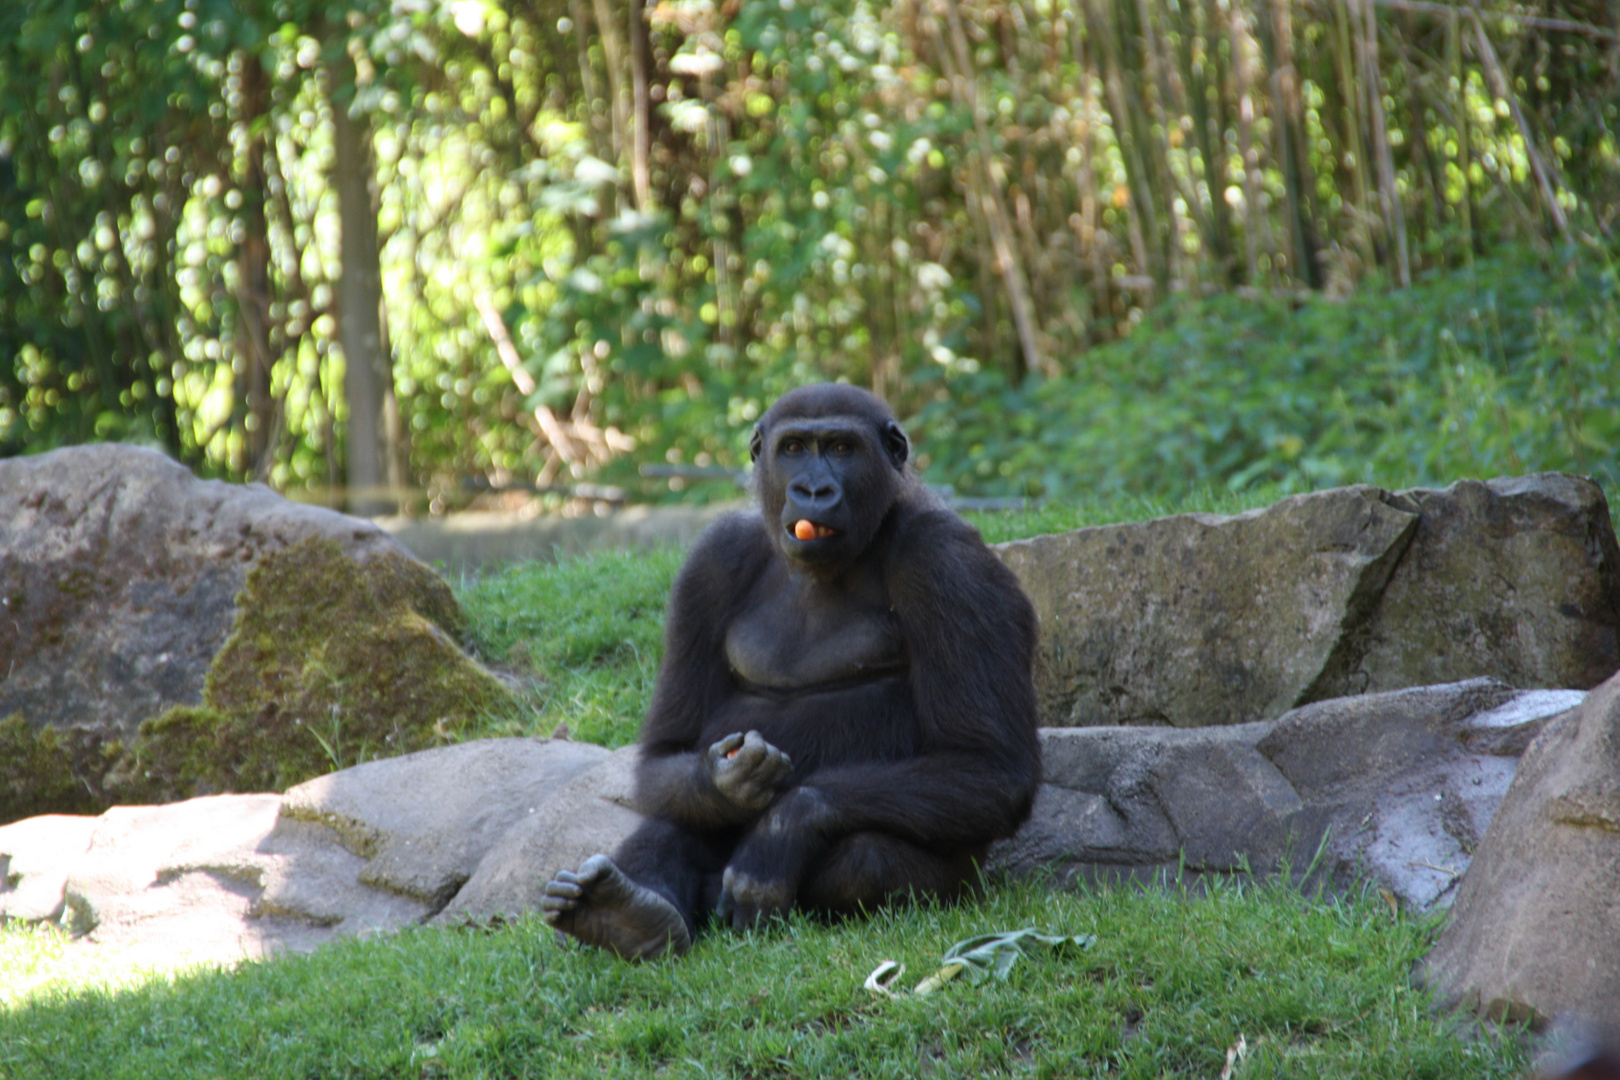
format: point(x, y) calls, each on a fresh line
point(805, 529)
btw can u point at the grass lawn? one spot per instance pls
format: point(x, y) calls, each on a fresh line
point(1310, 986)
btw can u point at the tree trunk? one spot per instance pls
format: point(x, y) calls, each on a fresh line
point(367, 372)
point(253, 280)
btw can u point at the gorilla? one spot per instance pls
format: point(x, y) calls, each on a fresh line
point(844, 715)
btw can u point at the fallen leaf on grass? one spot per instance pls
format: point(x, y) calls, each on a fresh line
point(980, 957)
point(938, 979)
point(1237, 1050)
point(884, 976)
point(996, 953)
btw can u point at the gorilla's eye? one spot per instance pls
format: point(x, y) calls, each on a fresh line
point(792, 446)
point(842, 446)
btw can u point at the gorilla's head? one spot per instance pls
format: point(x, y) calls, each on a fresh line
point(829, 461)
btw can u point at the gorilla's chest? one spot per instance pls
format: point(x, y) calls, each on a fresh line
point(797, 633)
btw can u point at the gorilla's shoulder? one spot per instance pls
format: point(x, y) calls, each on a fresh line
point(733, 547)
point(928, 526)
point(732, 534)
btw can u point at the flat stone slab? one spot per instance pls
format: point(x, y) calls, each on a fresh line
point(590, 813)
point(1398, 786)
point(230, 877)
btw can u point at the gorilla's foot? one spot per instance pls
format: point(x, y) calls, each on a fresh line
point(600, 906)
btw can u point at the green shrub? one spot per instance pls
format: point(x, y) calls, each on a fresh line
point(1509, 368)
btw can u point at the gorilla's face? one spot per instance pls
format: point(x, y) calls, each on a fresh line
point(826, 474)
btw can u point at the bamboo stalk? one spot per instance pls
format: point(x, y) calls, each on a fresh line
point(1546, 174)
point(1354, 133)
point(587, 75)
point(1214, 224)
point(1254, 223)
point(1388, 196)
point(613, 61)
point(1091, 242)
point(1168, 185)
point(965, 85)
point(1277, 39)
point(1140, 218)
point(641, 114)
point(1465, 208)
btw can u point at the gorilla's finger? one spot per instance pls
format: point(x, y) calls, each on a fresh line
point(727, 745)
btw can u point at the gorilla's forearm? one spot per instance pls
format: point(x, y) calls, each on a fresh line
point(678, 786)
point(939, 801)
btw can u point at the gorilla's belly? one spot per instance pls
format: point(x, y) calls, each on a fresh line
point(852, 720)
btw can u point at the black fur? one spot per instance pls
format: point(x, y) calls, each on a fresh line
point(889, 661)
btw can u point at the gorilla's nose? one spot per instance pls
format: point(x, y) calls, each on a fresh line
point(816, 494)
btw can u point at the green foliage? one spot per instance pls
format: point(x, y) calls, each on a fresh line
point(329, 663)
point(1314, 988)
point(1509, 368)
point(591, 630)
point(611, 235)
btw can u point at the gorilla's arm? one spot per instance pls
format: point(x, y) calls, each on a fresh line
point(732, 781)
point(970, 633)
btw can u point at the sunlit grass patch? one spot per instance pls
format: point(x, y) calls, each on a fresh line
point(590, 630)
point(44, 963)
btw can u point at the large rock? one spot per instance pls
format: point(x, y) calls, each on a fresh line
point(424, 823)
point(1202, 619)
point(589, 814)
point(1517, 578)
point(1535, 931)
point(228, 877)
point(1399, 786)
point(257, 639)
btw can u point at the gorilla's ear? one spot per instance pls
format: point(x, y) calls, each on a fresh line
point(896, 443)
point(756, 444)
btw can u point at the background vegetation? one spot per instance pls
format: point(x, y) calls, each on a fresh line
point(1139, 244)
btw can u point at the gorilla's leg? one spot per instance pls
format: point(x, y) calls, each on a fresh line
point(642, 902)
point(867, 870)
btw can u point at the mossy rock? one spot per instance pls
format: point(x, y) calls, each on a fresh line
point(37, 772)
point(330, 662)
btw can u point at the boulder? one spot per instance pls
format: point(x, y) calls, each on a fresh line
point(1202, 619)
point(1398, 786)
point(591, 813)
point(1535, 931)
point(166, 636)
point(228, 877)
point(1518, 579)
point(424, 823)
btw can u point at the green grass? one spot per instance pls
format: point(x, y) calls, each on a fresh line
point(1316, 988)
point(588, 632)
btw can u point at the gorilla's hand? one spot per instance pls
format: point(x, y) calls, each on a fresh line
point(762, 878)
point(748, 771)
